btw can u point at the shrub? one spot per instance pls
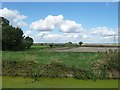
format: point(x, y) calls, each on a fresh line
point(106, 65)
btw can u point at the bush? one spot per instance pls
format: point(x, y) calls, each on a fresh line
point(107, 65)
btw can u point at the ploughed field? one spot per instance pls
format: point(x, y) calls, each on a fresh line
point(45, 62)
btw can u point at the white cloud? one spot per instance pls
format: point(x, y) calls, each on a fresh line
point(104, 36)
point(52, 22)
point(42, 34)
point(21, 24)
point(59, 38)
point(15, 18)
point(70, 27)
point(103, 31)
point(49, 23)
point(98, 39)
point(70, 30)
point(28, 33)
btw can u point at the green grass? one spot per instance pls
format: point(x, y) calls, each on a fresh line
point(39, 47)
point(82, 60)
point(20, 82)
point(37, 54)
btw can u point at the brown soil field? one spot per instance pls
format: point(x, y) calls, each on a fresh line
point(81, 49)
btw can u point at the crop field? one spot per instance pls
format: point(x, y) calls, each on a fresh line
point(48, 63)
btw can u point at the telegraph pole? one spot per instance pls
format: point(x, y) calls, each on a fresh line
point(114, 39)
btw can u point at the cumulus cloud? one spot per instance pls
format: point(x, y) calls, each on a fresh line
point(103, 35)
point(15, 18)
point(28, 33)
point(59, 38)
point(52, 22)
point(103, 31)
point(49, 23)
point(70, 27)
point(96, 35)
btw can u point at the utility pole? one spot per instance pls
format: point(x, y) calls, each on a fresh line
point(114, 39)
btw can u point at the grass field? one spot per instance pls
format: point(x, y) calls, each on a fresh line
point(20, 82)
point(36, 54)
point(39, 55)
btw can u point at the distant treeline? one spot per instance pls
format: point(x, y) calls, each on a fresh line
point(68, 44)
point(79, 44)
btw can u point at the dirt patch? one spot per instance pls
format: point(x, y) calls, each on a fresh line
point(81, 49)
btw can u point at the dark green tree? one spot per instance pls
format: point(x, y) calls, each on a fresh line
point(28, 42)
point(80, 43)
point(12, 38)
point(51, 45)
point(69, 43)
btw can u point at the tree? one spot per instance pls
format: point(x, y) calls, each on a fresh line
point(28, 42)
point(80, 43)
point(69, 43)
point(12, 38)
point(51, 45)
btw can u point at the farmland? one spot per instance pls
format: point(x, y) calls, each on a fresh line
point(45, 62)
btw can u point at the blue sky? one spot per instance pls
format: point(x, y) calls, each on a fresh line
point(101, 16)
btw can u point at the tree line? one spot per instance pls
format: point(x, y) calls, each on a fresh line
point(13, 38)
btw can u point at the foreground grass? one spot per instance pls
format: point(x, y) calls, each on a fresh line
point(69, 58)
point(20, 82)
point(45, 68)
point(77, 59)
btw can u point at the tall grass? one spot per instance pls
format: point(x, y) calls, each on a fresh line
point(36, 63)
point(107, 66)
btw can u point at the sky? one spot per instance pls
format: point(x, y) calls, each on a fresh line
point(60, 22)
